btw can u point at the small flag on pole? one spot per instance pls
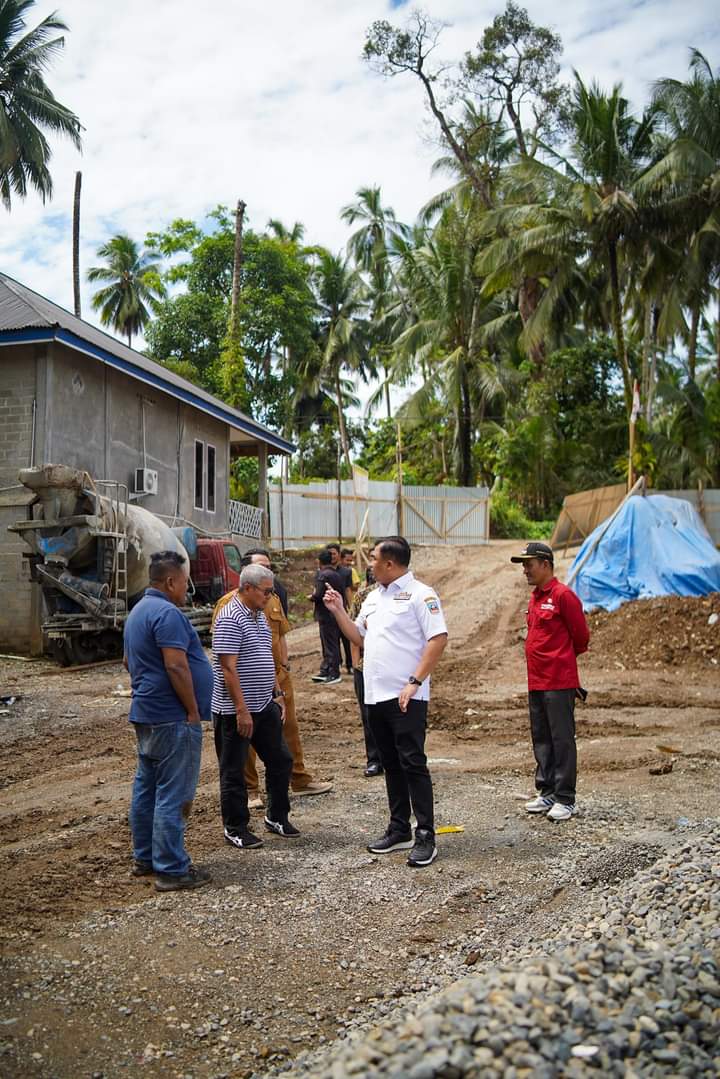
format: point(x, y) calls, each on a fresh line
point(635, 403)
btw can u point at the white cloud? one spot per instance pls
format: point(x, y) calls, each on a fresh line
point(186, 106)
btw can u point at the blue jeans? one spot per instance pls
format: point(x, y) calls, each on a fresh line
point(167, 775)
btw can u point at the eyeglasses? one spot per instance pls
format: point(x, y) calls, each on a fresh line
point(265, 591)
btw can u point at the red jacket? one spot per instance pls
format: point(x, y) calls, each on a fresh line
point(557, 633)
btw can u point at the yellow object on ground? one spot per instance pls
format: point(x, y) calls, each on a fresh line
point(446, 828)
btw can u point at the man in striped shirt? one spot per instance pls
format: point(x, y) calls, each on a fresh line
point(248, 709)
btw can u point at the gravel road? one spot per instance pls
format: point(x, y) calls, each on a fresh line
point(296, 946)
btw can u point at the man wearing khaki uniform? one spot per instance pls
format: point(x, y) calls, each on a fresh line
point(301, 781)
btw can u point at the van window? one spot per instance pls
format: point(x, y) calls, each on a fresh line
point(232, 557)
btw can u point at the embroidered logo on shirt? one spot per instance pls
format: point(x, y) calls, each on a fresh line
point(547, 607)
point(432, 604)
point(403, 596)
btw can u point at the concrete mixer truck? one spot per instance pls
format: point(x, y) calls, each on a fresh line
point(90, 549)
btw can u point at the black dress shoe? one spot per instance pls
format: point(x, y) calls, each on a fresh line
point(373, 770)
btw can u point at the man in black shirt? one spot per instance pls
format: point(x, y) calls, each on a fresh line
point(329, 632)
point(345, 574)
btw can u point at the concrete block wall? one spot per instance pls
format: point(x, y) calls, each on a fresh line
point(17, 393)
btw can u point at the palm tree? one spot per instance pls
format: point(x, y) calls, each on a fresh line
point(342, 330)
point(371, 247)
point(687, 177)
point(28, 107)
point(446, 338)
point(580, 217)
point(134, 285)
point(281, 232)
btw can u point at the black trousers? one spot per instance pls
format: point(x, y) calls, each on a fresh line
point(400, 738)
point(232, 751)
point(371, 750)
point(552, 725)
point(346, 649)
point(330, 644)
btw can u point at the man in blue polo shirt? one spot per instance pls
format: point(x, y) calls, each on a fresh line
point(172, 688)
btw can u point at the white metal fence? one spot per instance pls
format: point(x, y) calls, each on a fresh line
point(244, 520)
point(305, 514)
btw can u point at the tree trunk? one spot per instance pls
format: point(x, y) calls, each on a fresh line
point(464, 435)
point(129, 339)
point(528, 298)
point(76, 243)
point(341, 423)
point(618, 324)
point(692, 340)
point(237, 270)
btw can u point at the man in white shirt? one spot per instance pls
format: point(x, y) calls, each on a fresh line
point(402, 628)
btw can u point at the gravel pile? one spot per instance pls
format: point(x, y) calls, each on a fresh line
point(631, 990)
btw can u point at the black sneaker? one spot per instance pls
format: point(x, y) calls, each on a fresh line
point(318, 678)
point(330, 680)
point(243, 840)
point(194, 878)
point(142, 869)
point(282, 827)
point(424, 852)
point(391, 841)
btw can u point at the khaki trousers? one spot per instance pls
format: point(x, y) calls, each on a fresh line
point(291, 732)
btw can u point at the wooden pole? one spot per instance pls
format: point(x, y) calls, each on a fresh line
point(400, 507)
point(76, 243)
point(339, 496)
point(282, 514)
point(237, 268)
point(631, 455)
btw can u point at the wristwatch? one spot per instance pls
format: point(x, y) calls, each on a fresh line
point(275, 696)
point(413, 681)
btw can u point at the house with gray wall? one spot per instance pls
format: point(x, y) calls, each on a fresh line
point(71, 394)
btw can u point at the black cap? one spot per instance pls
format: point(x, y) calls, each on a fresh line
point(534, 549)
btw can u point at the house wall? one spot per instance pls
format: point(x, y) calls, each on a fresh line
point(89, 416)
point(19, 610)
point(94, 421)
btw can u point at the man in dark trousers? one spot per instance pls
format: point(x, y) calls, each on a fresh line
point(171, 686)
point(557, 634)
point(326, 577)
point(249, 709)
point(344, 572)
point(403, 629)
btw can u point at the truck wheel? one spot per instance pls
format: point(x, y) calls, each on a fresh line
point(82, 649)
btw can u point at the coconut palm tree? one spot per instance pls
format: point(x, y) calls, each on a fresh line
point(578, 217)
point(343, 337)
point(28, 108)
point(134, 285)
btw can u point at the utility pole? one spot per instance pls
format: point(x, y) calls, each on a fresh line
point(237, 269)
point(76, 243)
point(398, 462)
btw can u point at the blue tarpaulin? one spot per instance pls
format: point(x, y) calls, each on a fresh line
point(656, 546)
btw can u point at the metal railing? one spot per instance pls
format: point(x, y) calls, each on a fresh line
point(244, 520)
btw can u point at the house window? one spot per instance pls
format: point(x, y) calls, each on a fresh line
point(211, 479)
point(199, 475)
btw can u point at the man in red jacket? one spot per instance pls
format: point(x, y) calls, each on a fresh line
point(557, 634)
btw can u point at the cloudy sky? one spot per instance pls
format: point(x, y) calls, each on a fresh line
point(270, 101)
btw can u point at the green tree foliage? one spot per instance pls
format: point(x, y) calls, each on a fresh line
point(28, 108)
point(134, 286)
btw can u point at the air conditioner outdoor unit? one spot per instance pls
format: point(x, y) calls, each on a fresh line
point(146, 481)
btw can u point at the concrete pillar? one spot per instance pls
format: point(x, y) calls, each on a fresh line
point(263, 488)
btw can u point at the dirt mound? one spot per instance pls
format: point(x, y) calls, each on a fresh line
point(670, 631)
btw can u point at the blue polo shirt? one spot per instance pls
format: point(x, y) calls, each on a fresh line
point(153, 624)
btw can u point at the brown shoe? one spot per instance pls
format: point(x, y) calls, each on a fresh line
point(312, 788)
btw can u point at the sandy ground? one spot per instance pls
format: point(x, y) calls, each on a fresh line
point(102, 977)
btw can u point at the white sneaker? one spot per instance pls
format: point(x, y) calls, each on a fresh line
point(541, 804)
point(561, 812)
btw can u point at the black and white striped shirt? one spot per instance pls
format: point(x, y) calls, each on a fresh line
point(246, 634)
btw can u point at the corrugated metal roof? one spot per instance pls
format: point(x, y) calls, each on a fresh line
point(22, 309)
